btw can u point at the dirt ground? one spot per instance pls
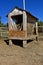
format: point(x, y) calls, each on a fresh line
point(16, 55)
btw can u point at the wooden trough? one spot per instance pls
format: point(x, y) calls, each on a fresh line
point(21, 26)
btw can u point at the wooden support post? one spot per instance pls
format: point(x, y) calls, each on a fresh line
point(10, 42)
point(24, 43)
point(25, 28)
point(37, 30)
point(10, 27)
point(9, 23)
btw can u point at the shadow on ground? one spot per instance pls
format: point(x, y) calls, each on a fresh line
point(7, 42)
point(28, 41)
point(18, 42)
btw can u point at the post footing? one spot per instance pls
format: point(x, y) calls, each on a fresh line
point(24, 44)
point(10, 42)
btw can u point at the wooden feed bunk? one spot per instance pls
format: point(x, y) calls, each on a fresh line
point(21, 26)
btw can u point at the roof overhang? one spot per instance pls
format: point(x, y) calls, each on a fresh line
point(19, 11)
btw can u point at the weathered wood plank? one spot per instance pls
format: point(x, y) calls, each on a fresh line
point(10, 42)
point(25, 27)
point(18, 33)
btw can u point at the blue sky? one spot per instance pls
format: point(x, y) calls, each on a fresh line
point(33, 6)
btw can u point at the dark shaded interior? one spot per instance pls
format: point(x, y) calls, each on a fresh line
point(18, 19)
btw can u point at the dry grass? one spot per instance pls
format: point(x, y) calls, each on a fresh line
point(16, 55)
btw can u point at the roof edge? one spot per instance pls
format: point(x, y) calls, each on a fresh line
point(22, 10)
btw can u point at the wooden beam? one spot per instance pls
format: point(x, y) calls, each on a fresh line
point(25, 22)
point(10, 42)
point(24, 43)
point(36, 28)
point(37, 31)
point(25, 27)
point(12, 24)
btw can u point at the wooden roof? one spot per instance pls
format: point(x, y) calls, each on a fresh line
point(25, 11)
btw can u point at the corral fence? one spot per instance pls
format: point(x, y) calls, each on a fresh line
point(4, 32)
point(40, 30)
